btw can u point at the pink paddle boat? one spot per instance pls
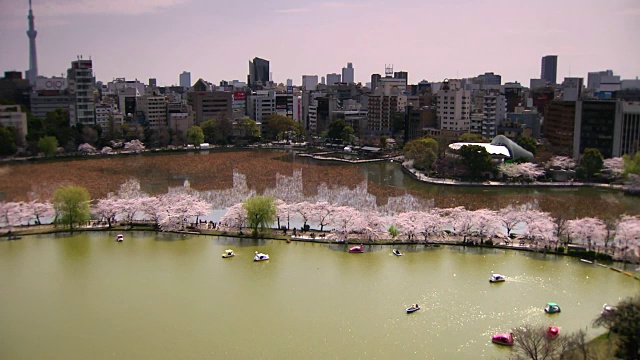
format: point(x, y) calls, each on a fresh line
point(356, 249)
point(553, 332)
point(503, 339)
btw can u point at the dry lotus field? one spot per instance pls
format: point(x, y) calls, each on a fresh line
point(213, 171)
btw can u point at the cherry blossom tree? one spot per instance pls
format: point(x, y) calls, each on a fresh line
point(432, 223)
point(370, 224)
point(627, 238)
point(106, 150)
point(511, 216)
point(540, 227)
point(486, 223)
point(40, 210)
point(107, 209)
point(180, 208)
point(134, 145)
point(526, 171)
point(321, 213)
point(344, 221)
point(156, 207)
point(462, 221)
point(13, 214)
point(588, 231)
point(234, 217)
point(305, 210)
point(409, 223)
point(616, 165)
point(86, 148)
point(563, 162)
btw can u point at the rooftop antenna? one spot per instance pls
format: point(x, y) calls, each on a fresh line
point(388, 70)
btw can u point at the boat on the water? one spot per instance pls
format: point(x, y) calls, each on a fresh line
point(14, 237)
point(552, 308)
point(413, 308)
point(228, 253)
point(357, 249)
point(260, 257)
point(553, 332)
point(120, 238)
point(396, 252)
point(503, 339)
point(497, 278)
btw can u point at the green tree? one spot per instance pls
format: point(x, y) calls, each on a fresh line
point(624, 320)
point(209, 130)
point(423, 152)
point(632, 164)
point(472, 138)
point(591, 161)
point(48, 145)
point(383, 142)
point(394, 232)
point(278, 127)
point(7, 140)
point(261, 212)
point(336, 129)
point(476, 158)
point(195, 136)
point(249, 128)
point(528, 143)
point(71, 204)
point(347, 134)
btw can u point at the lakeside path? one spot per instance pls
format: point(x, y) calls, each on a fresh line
point(439, 181)
point(308, 237)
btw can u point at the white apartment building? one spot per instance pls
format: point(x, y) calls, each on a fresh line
point(261, 105)
point(105, 113)
point(454, 107)
point(387, 85)
point(154, 109)
point(81, 93)
point(494, 111)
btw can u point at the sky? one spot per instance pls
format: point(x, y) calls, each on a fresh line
point(431, 39)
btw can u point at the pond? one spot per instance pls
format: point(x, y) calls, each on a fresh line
point(167, 296)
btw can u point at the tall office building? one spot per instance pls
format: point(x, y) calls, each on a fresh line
point(185, 79)
point(401, 75)
point(375, 80)
point(258, 72)
point(81, 98)
point(309, 82)
point(333, 79)
point(549, 68)
point(32, 73)
point(347, 74)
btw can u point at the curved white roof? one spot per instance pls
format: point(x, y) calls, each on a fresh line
point(491, 149)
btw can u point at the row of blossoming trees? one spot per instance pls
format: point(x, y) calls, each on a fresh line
point(352, 213)
point(538, 229)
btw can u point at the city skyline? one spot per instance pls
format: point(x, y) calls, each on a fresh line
point(133, 40)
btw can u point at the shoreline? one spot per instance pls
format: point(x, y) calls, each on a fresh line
point(301, 238)
point(451, 182)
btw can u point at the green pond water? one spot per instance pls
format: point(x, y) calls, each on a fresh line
point(165, 296)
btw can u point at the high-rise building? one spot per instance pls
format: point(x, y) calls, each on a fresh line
point(490, 78)
point(49, 94)
point(154, 109)
point(347, 74)
point(322, 81)
point(549, 68)
point(209, 105)
point(572, 88)
point(309, 82)
point(32, 73)
point(494, 111)
point(401, 75)
point(597, 125)
point(12, 115)
point(603, 81)
point(185, 79)
point(375, 80)
point(559, 120)
point(258, 72)
point(453, 107)
point(289, 82)
point(333, 79)
point(81, 97)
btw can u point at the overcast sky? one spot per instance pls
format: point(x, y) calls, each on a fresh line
point(431, 39)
